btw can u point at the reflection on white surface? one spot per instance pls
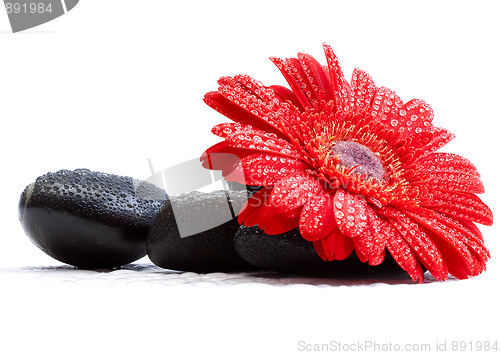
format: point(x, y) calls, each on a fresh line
point(142, 309)
point(149, 274)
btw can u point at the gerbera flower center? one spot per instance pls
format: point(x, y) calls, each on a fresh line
point(358, 158)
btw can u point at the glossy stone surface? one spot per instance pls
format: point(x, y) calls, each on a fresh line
point(236, 186)
point(195, 232)
point(292, 254)
point(88, 219)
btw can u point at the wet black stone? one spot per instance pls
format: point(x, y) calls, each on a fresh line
point(290, 253)
point(236, 186)
point(195, 232)
point(91, 220)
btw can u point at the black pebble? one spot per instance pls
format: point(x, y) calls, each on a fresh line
point(195, 232)
point(91, 220)
point(290, 253)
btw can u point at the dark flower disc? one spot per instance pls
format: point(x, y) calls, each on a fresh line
point(195, 232)
point(290, 253)
point(90, 219)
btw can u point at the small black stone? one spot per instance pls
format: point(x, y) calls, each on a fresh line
point(290, 253)
point(91, 220)
point(195, 232)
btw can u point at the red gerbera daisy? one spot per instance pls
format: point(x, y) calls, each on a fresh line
point(353, 166)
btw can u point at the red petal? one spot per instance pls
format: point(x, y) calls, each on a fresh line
point(343, 246)
point(317, 77)
point(462, 205)
point(317, 218)
point(262, 169)
point(402, 253)
point(235, 112)
point(419, 241)
point(362, 91)
point(293, 191)
point(386, 104)
point(318, 246)
point(275, 223)
point(220, 157)
point(372, 243)
point(357, 220)
point(420, 141)
point(372, 252)
point(414, 117)
point(455, 182)
point(350, 214)
point(457, 264)
point(285, 94)
point(465, 230)
point(257, 211)
point(227, 128)
point(450, 172)
point(337, 246)
point(340, 87)
point(247, 101)
point(456, 254)
point(472, 229)
point(265, 142)
point(447, 162)
point(465, 242)
point(250, 211)
point(295, 77)
point(360, 255)
point(252, 86)
point(440, 137)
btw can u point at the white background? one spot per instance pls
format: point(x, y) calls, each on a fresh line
point(115, 82)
